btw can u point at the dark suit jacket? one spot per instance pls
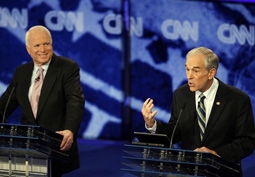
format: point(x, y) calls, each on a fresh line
point(230, 130)
point(61, 103)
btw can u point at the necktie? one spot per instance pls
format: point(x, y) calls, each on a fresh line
point(36, 91)
point(201, 115)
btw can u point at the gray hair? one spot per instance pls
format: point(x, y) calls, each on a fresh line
point(38, 27)
point(211, 59)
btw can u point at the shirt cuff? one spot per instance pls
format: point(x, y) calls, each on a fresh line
point(153, 128)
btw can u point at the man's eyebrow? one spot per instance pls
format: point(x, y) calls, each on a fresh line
point(194, 67)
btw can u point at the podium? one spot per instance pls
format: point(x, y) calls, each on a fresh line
point(27, 150)
point(155, 160)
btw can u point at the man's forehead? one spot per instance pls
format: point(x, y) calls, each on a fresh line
point(193, 66)
point(195, 62)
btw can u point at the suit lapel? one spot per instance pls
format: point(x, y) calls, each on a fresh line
point(190, 102)
point(27, 82)
point(217, 108)
point(48, 83)
point(194, 121)
point(24, 86)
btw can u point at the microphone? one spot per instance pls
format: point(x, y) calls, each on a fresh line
point(178, 118)
point(8, 101)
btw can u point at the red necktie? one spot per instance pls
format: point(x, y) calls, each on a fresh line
point(36, 91)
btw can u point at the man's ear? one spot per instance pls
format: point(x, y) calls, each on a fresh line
point(28, 51)
point(212, 73)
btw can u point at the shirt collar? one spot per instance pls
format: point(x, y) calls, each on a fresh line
point(208, 92)
point(44, 67)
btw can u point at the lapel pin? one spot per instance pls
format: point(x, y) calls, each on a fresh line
point(218, 103)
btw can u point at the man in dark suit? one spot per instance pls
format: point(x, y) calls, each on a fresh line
point(61, 100)
point(229, 125)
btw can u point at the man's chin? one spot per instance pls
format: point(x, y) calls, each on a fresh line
point(44, 59)
point(192, 89)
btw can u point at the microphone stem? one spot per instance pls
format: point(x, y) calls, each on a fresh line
point(173, 132)
point(7, 103)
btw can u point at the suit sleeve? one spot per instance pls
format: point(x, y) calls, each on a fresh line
point(167, 128)
point(8, 101)
point(75, 99)
point(243, 142)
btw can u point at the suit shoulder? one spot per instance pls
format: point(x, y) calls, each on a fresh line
point(24, 66)
point(183, 89)
point(65, 60)
point(232, 89)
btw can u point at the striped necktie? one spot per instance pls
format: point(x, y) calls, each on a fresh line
point(36, 91)
point(201, 115)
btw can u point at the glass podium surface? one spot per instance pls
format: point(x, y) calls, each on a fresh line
point(151, 161)
point(27, 150)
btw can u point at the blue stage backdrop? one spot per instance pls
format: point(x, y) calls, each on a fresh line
point(118, 72)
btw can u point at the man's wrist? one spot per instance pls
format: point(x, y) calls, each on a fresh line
point(151, 123)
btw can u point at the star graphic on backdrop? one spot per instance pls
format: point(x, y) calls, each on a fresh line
point(53, 4)
point(99, 119)
point(94, 26)
point(174, 67)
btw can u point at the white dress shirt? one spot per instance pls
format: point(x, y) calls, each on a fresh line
point(35, 73)
point(208, 102)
